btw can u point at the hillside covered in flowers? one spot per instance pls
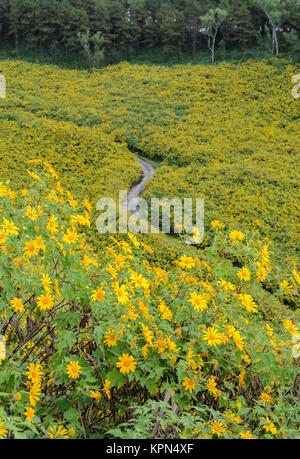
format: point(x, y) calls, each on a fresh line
point(222, 132)
point(99, 334)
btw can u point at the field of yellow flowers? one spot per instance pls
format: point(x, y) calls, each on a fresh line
point(98, 335)
point(92, 342)
point(227, 132)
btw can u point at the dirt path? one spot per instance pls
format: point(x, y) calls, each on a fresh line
point(137, 190)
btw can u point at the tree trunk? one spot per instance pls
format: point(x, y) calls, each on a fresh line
point(213, 44)
point(274, 34)
point(275, 39)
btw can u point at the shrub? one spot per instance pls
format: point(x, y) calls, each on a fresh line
point(90, 336)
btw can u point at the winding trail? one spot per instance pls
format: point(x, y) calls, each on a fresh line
point(138, 189)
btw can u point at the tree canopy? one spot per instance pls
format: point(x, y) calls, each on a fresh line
point(128, 26)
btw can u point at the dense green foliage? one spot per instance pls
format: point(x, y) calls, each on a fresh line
point(46, 28)
point(93, 342)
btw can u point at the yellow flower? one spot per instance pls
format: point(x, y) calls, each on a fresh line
point(17, 304)
point(88, 261)
point(134, 240)
point(215, 224)
point(34, 372)
point(34, 394)
point(10, 227)
point(131, 315)
point(266, 398)
point(285, 285)
point(18, 397)
point(188, 384)
point(96, 395)
point(232, 417)
point(244, 274)
point(269, 426)
point(45, 302)
point(166, 313)
point(17, 261)
point(148, 334)
point(72, 432)
point(73, 369)
point(217, 428)
point(87, 204)
point(31, 248)
point(242, 378)
point(2, 348)
point(3, 237)
point(57, 432)
point(246, 435)
point(3, 432)
point(30, 413)
point(290, 326)
point(248, 302)
point(71, 200)
point(12, 194)
point(32, 175)
point(296, 276)
point(236, 236)
point(186, 262)
point(71, 237)
point(199, 301)
point(121, 293)
point(106, 388)
point(265, 255)
point(212, 387)
point(59, 188)
point(98, 295)
point(46, 281)
point(145, 351)
point(239, 340)
point(126, 364)
point(40, 243)
point(31, 213)
point(110, 338)
point(3, 190)
point(52, 226)
point(227, 286)
point(261, 273)
point(246, 359)
point(212, 337)
point(139, 281)
point(51, 170)
point(56, 289)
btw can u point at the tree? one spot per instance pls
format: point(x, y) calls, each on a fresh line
point(118, 32)
point(46, 27)
point(240, 28)
point(153, 30)
point(14, 17)
point(212, 22)
point(72, 19)
point(293, 20)
point(192, 12)
point(53, 25)
point(172, 26)
point(92, 47)
point(138, 19)
point(276, 13)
